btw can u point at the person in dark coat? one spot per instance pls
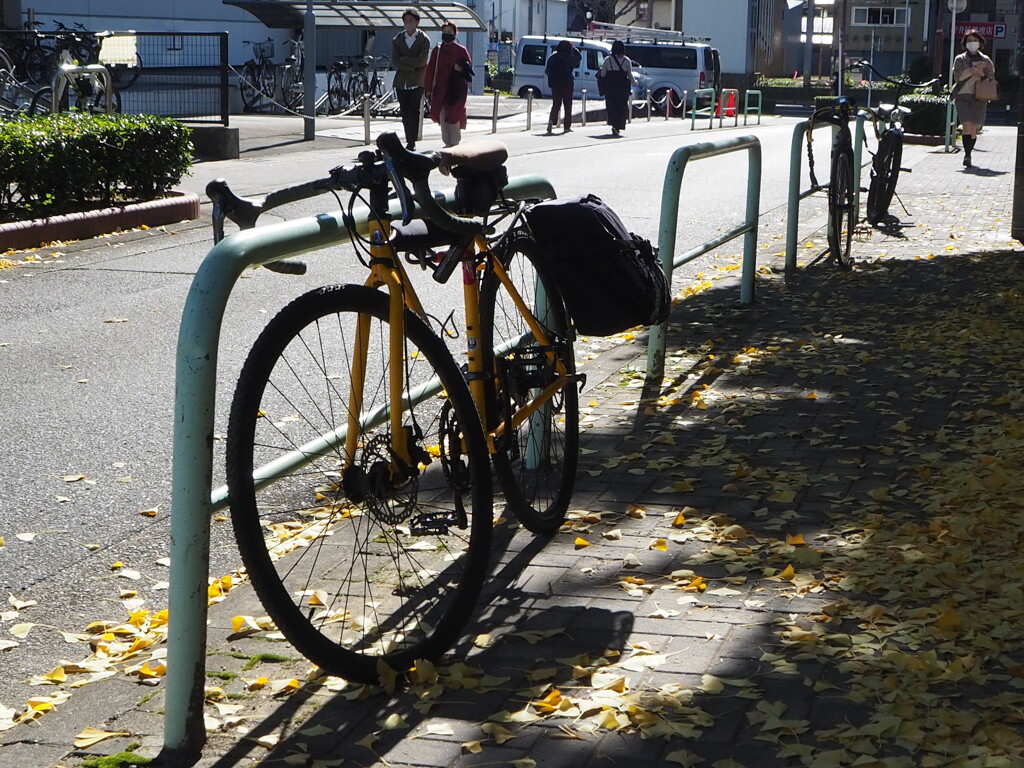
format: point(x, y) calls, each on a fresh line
point(449, 71)
point(409, 51)
point(559, 70)
point(617, 78)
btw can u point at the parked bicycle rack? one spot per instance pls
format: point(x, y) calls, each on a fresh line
point(795, 168)
point(747, 108)
point(67, 73)
point(670, 220)
point(193, 500)
point(710, 110)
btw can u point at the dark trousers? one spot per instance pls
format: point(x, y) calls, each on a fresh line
point(561, 97)
point(409, 106)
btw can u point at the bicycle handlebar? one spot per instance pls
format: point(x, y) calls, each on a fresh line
point(399, 164)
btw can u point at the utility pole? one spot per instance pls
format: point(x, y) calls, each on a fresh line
point(809, 44)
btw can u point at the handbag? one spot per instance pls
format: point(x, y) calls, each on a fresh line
point(600, 84)
point(987, 89)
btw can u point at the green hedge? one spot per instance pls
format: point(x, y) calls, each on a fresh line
point(927, 113)
point(927, 116)
point(57, 163)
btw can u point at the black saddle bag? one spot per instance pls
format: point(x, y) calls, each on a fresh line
point(610, 279)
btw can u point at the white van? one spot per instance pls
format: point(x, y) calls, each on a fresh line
point(532, 55)
point(676, 66)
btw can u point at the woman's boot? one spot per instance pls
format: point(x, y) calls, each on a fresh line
point(969, 142)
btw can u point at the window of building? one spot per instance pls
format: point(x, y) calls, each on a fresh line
point(880, 17)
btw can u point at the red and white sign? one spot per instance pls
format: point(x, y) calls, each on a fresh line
point(987, 29)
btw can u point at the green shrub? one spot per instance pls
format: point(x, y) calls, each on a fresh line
point(56, 163)
point(927, 114)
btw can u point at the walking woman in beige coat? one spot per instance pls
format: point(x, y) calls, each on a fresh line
point(969, 68)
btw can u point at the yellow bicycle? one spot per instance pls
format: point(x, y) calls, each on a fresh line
point(357, 457)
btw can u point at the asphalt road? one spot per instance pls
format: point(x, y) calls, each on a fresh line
point(87, 345)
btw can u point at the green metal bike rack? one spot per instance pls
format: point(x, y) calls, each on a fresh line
point(670, 221)
point(192, 499)
point(710, 109)
point(747, 108)
point(795, 168)
point(952, 118)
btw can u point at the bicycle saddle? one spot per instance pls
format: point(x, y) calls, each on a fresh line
point(485, 155)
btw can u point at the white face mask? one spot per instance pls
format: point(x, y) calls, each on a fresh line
point(973, 46)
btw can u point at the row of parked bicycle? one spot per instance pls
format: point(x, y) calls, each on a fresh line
point(351, 81)
point(30, 60)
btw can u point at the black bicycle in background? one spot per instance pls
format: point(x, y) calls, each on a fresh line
point(885, 168)
point(842, 195)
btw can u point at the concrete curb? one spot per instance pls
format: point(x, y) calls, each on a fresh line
point(178, 206)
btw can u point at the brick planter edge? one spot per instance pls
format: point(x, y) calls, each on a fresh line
point(178, 206)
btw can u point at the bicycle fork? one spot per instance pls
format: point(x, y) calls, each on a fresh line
point(406, 454)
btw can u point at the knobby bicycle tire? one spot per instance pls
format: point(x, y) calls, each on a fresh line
point(535, 462)
point(842, 211)
point(353, 565)
point(885, 170)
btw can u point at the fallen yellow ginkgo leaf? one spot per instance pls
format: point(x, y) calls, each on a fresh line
point(90, 737)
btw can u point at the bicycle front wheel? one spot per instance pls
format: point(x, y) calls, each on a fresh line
point(371, 557)
point(291, 87)
point(842, 209)
point(357, 86)
point(536, 459)
point(336, 94)
point(885, 170)
point(249, 85)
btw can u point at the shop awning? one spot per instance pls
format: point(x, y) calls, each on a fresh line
point(289, 14)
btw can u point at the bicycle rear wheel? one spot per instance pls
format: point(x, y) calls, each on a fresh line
point(535, 461)
point(371, 559)
point(125, 75)
point(885, 171)
point(842, 209)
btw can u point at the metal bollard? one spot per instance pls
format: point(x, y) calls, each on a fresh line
point(648, 105)
point(366, 120)
point(494, 115)
point(583, 106)
point(668, 103)
point(529, 110)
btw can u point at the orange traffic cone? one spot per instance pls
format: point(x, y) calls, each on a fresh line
point(730, 108)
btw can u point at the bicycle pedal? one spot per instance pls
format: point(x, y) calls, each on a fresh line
point(906, 170)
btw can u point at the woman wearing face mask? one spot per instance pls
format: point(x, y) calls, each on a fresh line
point(446, 80)
point(968, 68)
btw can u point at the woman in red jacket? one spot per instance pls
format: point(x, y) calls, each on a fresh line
point(446, 80)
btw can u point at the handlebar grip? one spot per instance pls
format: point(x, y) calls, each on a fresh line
point(286, 267)
point(451, 260)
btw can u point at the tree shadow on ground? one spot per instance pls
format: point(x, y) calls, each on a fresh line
point(801, 547)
